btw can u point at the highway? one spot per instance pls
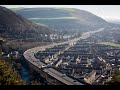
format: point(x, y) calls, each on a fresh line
point(29, 56)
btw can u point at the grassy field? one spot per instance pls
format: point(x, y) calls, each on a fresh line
point(67, 9)
point(41, 24)
point(110, 43)
point(16, 9)
point(53, 18)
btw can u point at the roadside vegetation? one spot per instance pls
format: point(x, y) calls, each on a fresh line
point(25, 45)
point(8, 75)
point(115, 78)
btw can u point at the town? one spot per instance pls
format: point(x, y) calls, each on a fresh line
point(61, 45)
point(83, 60)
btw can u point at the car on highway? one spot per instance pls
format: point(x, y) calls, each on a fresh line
point(46, 66)
point(64, 75)
point(43, 66)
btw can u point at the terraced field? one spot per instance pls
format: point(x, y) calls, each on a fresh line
point(53, 18)
point(110, 43)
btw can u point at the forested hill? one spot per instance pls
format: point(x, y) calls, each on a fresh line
point(15, 26)
point(62, 19)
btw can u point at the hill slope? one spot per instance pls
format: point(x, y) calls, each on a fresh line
point(15, 26)
point(63, 18)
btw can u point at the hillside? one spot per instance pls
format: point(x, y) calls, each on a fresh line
point(15, 26)
point(61, 19)
point(8, 75)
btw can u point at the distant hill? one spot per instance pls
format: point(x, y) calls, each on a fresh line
point(15, 26)
point(116, 21)
point(62, 19)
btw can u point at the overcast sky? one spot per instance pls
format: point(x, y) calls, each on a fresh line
point(104, 11)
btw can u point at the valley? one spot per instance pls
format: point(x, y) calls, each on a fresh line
point(59, 46)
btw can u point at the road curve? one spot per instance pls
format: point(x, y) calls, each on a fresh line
point(29, 56)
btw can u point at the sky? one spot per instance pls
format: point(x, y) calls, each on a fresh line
point(108, 12)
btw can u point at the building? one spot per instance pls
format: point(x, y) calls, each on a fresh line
point(77, 60)
point(84, 61)
point(90, 77)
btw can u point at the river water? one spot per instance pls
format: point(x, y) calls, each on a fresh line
point(24, 71)
point(24, 74)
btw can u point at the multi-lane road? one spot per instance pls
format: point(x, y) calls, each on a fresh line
point(29, 56)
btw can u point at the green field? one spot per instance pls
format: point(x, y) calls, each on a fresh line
point(67, 9)
point(16, 9)
point(41, 24)
point(53, 18)
point(110, 43)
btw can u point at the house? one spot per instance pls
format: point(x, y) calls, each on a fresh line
point(90, 77)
